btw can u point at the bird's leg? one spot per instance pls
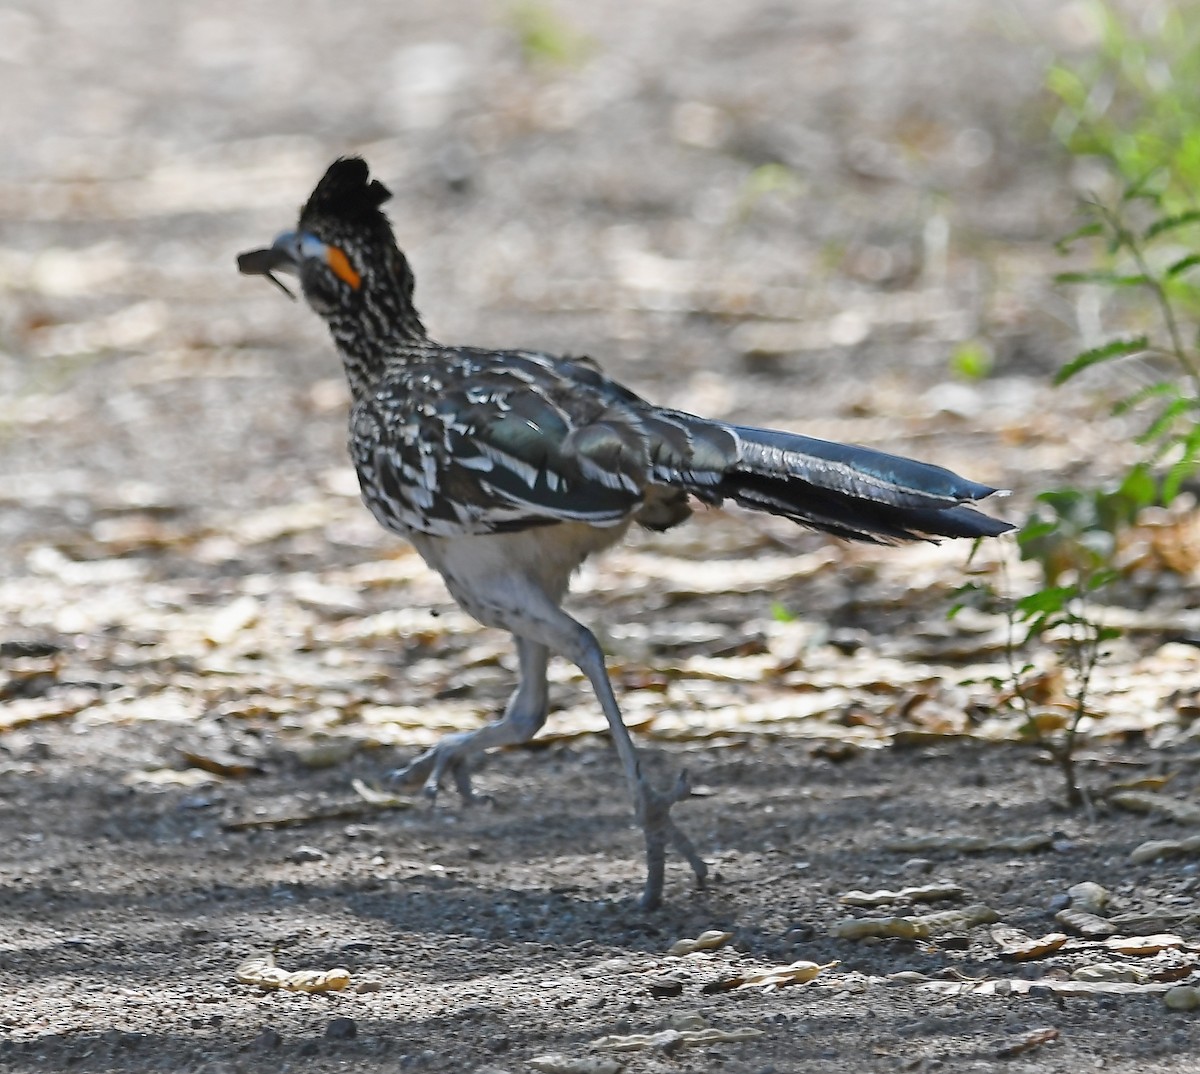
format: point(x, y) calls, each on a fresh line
point(653, 807)
point(523, 717)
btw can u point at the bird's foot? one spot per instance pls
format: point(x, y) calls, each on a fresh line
point(447, 757)
point(654, 815)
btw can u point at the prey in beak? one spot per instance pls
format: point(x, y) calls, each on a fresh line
point(280, 256)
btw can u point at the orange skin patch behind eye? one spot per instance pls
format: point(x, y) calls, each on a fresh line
point(341, 266)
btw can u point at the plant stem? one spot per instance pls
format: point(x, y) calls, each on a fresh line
point(1125, 237)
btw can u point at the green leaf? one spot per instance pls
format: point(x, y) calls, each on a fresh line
point(1046, 601)
point(971, 360)
point(1063, 502)
point(1112, 279)
point(1162, 387)
point(1137, 189)
point(546, 38)
point(781, 614)
point(976, 545)
point(1115, 349)
point(1179, 472)
point(1171, 223)
point(1166, 418)
point(1035, 530)
point(1139, 486)
point(970, 595)
point(1038, 626)
point(1182, 265)
point(1067, 86)
point(1086, 231)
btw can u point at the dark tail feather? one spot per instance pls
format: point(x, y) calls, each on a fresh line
point(854, 492)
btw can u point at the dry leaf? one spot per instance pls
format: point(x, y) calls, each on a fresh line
point(779, 976)
point(1033, 1039)
point(168, 777)
point(859, 928)
point(1109, 971)
point(1154, 849)
point(917, 927)
point(336, 811)
point(1015, 946)
point(1143, 945)
point(1089, 925)
point(706, 941)
point(970, 844)
point(560, 1064)
point(1008, 986)
point(379, 799)
point(222, 764)
point(668, 1039)
point(1177, 809)
point(264, 973)
point(1143, 783)
point(926, 893)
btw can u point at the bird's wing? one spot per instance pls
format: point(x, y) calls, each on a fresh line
point(498, 453)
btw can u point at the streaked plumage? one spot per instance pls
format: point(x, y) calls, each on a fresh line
point(506, 469)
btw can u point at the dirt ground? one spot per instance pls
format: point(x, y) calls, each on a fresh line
point(785, 213)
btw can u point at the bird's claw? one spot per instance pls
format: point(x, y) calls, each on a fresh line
point(431, 767)
point(654, 814)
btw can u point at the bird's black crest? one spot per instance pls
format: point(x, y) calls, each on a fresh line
point(346, 192)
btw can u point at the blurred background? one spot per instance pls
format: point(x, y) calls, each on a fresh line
point(796, 212)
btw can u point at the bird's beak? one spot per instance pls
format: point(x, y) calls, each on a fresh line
point(283, 255)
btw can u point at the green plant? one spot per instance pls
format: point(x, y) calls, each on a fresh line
point(1132, 110)
point(1062, 620)
point(972, 360)
point(765, 180)
point(545, 38)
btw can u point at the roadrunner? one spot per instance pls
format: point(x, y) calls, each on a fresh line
point(507, 469)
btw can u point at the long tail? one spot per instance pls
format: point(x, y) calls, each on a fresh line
point(852, 492)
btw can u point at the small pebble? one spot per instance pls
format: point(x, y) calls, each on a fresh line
point(306, 853)
point(268, 1040)
point(1182, 998)
point(196, 801)
point(1088, 896)
point(664, 986)
point(341, 1028)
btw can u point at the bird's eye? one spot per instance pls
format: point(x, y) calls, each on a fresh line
point(326, 274)
point(333, 257)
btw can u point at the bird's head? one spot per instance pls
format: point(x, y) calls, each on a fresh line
point(343, 249)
